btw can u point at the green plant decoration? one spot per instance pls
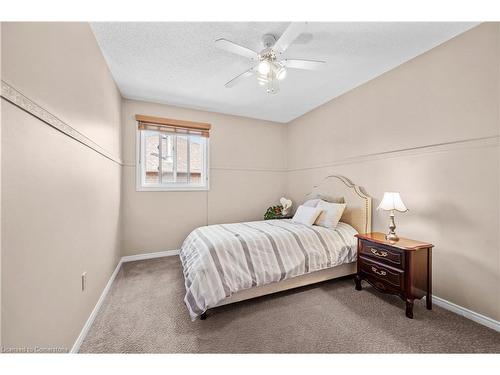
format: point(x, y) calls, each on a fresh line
point(273, 212)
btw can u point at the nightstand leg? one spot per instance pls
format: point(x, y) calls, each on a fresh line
point(428, 296)
point(428, 301)
point(409, 308)
point(357, 280)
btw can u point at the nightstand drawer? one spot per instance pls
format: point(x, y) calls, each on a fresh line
point(380, 271)
point(382, 254)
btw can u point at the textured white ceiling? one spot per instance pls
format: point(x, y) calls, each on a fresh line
point(177, 63)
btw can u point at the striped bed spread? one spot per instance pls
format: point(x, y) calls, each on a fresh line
point(219, 260)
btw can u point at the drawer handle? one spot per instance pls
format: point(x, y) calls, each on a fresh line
point(381, 273)
point(379, 253)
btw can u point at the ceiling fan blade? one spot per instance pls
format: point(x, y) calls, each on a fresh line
point(246, 74)
point(229, 46)
point(304, 64)
point(291, 33)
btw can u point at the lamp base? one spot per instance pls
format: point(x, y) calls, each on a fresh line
point(391, 237)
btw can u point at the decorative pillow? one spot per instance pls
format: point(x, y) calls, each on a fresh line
point(306, 215)
point(313, 202)
point(330, 215)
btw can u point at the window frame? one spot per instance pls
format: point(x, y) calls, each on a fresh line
point(139, 168)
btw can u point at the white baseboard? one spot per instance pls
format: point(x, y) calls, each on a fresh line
point(93, 314)
point(158, 254)
point(469, 314)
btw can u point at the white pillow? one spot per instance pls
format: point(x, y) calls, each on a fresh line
point(330, 215)
point(306, 215)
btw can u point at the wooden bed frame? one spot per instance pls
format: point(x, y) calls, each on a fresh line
point(358, 214)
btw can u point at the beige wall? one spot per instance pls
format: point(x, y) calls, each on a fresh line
point(60, 198)
point(247, 174)
point(450, 96)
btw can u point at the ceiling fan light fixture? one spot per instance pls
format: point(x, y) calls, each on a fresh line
point(262, 79)
point(264, 67)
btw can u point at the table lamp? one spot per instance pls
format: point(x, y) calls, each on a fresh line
point(392, 202)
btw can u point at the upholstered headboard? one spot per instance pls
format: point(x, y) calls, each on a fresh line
point(358, 212)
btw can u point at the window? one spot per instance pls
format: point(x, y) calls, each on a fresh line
point(171, 157)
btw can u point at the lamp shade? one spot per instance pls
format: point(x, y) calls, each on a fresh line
point(392, 201)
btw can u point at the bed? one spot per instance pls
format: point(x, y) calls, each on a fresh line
point(227, 263)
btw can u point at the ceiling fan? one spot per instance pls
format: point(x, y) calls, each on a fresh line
point(270, 67)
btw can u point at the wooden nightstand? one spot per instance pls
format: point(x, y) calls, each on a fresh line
point(403, 268)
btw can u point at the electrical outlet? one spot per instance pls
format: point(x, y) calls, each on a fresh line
point(84, 281)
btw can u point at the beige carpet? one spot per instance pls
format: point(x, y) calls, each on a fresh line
point(145, 313)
